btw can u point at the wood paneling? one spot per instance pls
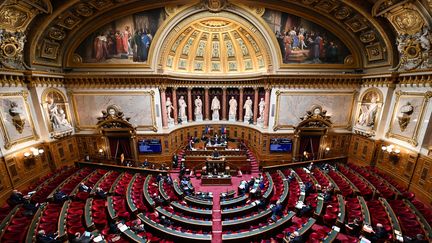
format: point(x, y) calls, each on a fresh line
point(361, 150)
point(338, 144)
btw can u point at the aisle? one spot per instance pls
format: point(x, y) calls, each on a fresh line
point(216, 218)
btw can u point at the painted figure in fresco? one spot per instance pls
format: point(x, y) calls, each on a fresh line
point(287, 46)
point(126, 39)
point(100, 47)
point(145, 45)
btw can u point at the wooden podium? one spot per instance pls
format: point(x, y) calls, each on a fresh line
point(216, 180)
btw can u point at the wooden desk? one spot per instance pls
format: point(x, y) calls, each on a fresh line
point(216, 180)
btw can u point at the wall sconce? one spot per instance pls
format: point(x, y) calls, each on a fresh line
point(101, 152)
point(393, 152)
point(34, 152)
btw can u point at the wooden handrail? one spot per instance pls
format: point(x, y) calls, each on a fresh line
point(342, 159)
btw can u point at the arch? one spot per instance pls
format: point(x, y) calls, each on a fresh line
point(57, 112)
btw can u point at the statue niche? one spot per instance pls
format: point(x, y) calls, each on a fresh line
point(57, 112)
point(369, 106)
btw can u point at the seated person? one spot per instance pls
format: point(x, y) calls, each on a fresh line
point(157, 199)
point(164, 221)
point(354, 226)
point(419, 238)
point(100, 193)
point(291, 176)
point(16, 198)
point(86, 237)
point(169, 180)
point(60, 196)
point(42, 237)
point(307, 187)
point(215, 153)
point(380, 233)
point(276, 211)
point(145, 163)
point(159, 177)
point(137, 226)
point(84, 188)
point(305, 210)
point(295, 237)
point(215, 172)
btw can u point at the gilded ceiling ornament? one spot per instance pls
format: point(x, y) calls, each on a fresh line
point(374, 52)
point(215, 5)
point(308, 1)
point(415, 50)
point(101, 4)
point(56, 33)
point(49, 49)
point(69, 21)
point(11, 49)
point(84, 10)
point(357, 23)
point(12, 17)
point(113, 117)
point(407, 21)
point(367, 36)
point(326, 5)
point(342, 12)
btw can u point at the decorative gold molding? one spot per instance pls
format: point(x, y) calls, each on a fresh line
point(8, 142)
point(411, 140)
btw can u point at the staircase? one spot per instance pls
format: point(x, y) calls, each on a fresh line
point(253, 162)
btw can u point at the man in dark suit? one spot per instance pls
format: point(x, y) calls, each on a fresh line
point(60, 197)
point(175, 160)
point(100, 193)
point(42, 237)
point(16, 198)
point(380, 233)
point(295, 237)
point(84, 188)
point(215, 153)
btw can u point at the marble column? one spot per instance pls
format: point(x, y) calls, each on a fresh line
point(164, 110)
point(175, 104)
point(224, 104)
point(207, 104)
point(255, 108)
point(241, 105)
point(189, 104)
point(267, 107)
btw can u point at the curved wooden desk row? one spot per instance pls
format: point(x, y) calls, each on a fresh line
point(110, 206)
point(336, 187)
point(234, 201)
point(162, 191)
point(269, 191)
point(173, 234)
point(96, 185)
point(365, 211)
point(246, 220)
point(31, 231)
point(129, 198)
point(5, 222)
point(76, 189)
point(61, 229)
point(177, 188)
point(51, 195)
point(185, 221)
point(203, 213)
point(147, 195)
point(353, 187)
point(115, 183)
point(260, 232)
point(392, 216)
point(341, 215)
point(320, 205)
point(120, 168)
point(198, 202)
point(88, 214)
point(231, 212)
point(284, 195)
point(300, 182)
point(426, 227)
point(370, 185)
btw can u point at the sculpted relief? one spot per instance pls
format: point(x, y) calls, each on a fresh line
point(368, 109)
point(57, 112)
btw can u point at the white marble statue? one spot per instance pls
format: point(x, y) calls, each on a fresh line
point(215, 106)
point(261, 106)
point(232, 109)
point(368, 113)
point(248, 109)
point(198, 109)
point(169, 107)
point(57, 116)
point(182, 109)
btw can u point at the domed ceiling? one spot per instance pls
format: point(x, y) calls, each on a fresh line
point(215, 45)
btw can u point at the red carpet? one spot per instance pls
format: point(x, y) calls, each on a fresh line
point(217, 225)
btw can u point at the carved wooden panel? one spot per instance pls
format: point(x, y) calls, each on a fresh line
point(360, 151)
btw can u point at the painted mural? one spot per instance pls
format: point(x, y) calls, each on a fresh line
point(123, 41)
point(304, 42)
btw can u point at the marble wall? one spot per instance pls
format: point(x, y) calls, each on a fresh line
point(138, 106)
point(291, 106)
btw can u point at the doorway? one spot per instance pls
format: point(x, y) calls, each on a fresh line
point(309, 147)
point(118, 146)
